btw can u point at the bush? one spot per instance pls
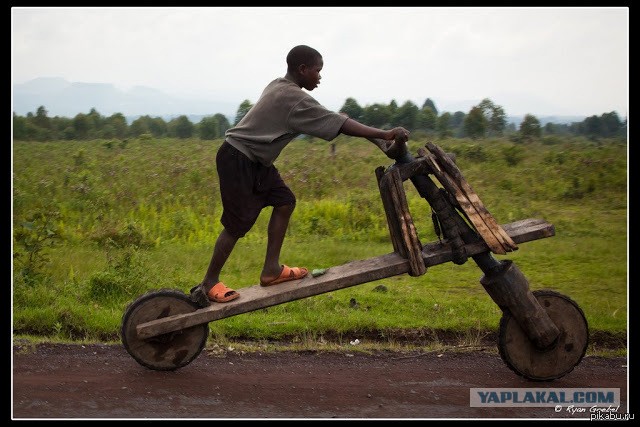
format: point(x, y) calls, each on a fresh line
point(513, 154)
point(551, 140)
point(129, 235)
point(125, 276)
point(32, 239)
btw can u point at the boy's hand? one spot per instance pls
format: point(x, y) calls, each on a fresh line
point(396, 144)
point(399, 134)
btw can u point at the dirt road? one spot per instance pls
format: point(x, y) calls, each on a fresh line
point(60, 381)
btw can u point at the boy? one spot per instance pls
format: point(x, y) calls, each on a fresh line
point(248, 179)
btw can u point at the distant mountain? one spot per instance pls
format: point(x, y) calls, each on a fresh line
point(67, 99)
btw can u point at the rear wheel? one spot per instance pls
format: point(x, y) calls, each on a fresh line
point(525, 359)
point(169, 351)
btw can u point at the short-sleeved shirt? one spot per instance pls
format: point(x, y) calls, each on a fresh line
point(283, 112)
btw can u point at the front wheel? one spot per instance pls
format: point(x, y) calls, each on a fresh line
point(525, 359)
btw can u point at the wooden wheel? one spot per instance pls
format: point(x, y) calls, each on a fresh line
point(525, 359)
point(169, 351)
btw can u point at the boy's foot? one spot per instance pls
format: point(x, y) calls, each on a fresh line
point(199, 296)
point(287, 274)
point(218, 293)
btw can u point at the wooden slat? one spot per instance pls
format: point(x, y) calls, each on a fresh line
point(343, 276)
point(469, 208)
point(387, 204)
point(409, 235)
point(503, 238)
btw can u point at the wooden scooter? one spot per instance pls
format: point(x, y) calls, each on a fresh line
point(543, 334)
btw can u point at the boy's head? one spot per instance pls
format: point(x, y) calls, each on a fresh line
point(304, 64)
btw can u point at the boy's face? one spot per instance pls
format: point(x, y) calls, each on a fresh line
point(310, 74)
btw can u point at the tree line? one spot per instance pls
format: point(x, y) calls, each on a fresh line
point(483, 120)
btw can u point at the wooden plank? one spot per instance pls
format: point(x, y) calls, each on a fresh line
point(343, 276)
point(387, 204)
point(503, 237)
point(520, 231)
point(529, 229)
point(453, 170)
point(474, 214)
point(469, 208)
point(257, 297)
point(492, 224)
point(409, 235)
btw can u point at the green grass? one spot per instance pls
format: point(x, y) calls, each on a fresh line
point(159, 201)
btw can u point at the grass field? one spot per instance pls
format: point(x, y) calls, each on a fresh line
point(98, 223)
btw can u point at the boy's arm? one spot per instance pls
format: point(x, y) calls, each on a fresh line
point(389, 141)
point(354, 128)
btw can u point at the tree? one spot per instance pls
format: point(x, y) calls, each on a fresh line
point(405, 116)
point(427, 119)
point(376, 115)
point(494, 115)
point(457, 123)
point(118, 123)
point(81, 126)
point(352, 109)
point(475, 123)
point(69, 133)
point(443, 125)
point(498, 121)
point(62, 128)
point(157, 126)
point(213, 127)
point(530, 127)
point(428, 103)
point(41, 119)
point(223, 124)
point(181, 127)
point(19, 129)
point(593, 126)
point(243, 109)
point(392, 108)
point(457, 119)
point(555, 129)
point(611, 124)
point(139, 126)
point(209, 128)
point(95, 120)
point(36, 128)
point(549, 128)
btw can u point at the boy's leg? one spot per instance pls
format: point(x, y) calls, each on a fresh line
point(236, 174)
point(221, 251)
point(278, 224)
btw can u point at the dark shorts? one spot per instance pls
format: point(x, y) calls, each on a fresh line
point(246, 188)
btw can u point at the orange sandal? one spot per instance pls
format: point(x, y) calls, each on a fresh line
point(220, 293)
point(287, 274)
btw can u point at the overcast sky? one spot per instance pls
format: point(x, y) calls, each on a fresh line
point(543, 61)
